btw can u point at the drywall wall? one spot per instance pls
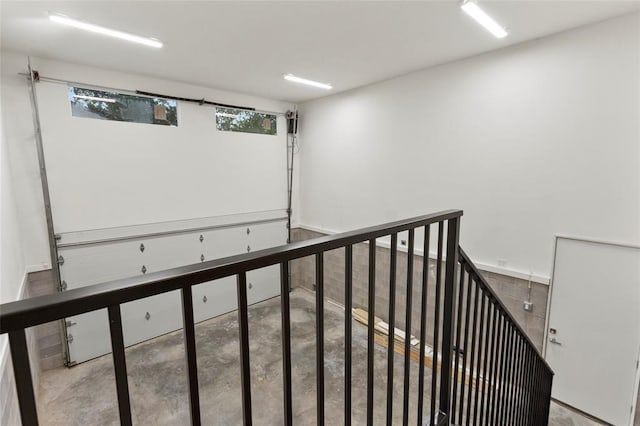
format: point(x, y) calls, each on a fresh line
point(12, 264)
point(107, 174)
point(12, 270)
point(531, 140)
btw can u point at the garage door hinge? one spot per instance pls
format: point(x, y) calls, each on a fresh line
point(60, 260)
point(69, 338)
point(63, 286)
point(57, 237)
point(70, 323)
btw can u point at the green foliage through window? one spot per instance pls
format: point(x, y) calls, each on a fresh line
point(104, 105)
point(238, 120)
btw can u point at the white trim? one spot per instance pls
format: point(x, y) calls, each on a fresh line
point(4, 344)
point(540, 279)
point(37, 267)
point(599, 241)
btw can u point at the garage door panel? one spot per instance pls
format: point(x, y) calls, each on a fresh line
point(263, 284)
point(150, 317)
point(88, 335)
point(214, 298)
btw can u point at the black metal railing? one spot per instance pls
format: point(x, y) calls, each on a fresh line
point(512, 381)
point(515, 387)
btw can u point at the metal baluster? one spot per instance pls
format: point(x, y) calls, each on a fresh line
point(245, 368)
point(285, 314)
point(119, 364)
point(490, 377)
point(320, 338)
point(466, 346)
point(436, 324)
point(456, 358)
point(423, 323)
point(348, 302)
point(476, 401)
point(392, 325)
point(370, 330)
point(190, 353)
point(407, 336)
point(24, 382)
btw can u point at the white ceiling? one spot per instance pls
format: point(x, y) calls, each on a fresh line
point(248, 46)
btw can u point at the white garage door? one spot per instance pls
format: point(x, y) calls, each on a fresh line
point(133, 198)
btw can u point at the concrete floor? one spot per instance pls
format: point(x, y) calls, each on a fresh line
point(85, 394)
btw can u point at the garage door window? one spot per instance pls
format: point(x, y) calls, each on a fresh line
point(238, 120)
point(103, 105)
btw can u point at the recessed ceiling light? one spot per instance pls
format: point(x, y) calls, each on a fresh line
point(61, 19)
point(481, 17)
point(291, 77)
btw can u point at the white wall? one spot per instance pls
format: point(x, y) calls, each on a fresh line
point(12, 264)
point(108, 174)
point(532, 140)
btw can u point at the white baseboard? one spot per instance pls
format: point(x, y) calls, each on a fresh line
point(37, 267)
point(541, 279)
point(4, 340)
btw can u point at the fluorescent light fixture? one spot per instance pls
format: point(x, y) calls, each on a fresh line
point(61, 19)
point(93, 98)
point(473, 10)
point(291, 77)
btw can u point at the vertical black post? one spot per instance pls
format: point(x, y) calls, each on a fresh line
point(489, 358)
point(423, 323)
point(453, 230)
point(22, 375)
point(245, 368)
point(456, 348)
point(497, 385)
point(392, 326)
point(285, 314)
point(510, 375)
point(465, 354)
point(481, 335)
point(190, 354)
point(320, 338)
point(348, 302)
point(502, 371)
point(119, 364)
point(407, 334)
point(371, 320)
point(436, 323)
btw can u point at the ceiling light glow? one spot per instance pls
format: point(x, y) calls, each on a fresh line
point(93, 98)
point(473, 10)
point(293, 78)
point(61, 19)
